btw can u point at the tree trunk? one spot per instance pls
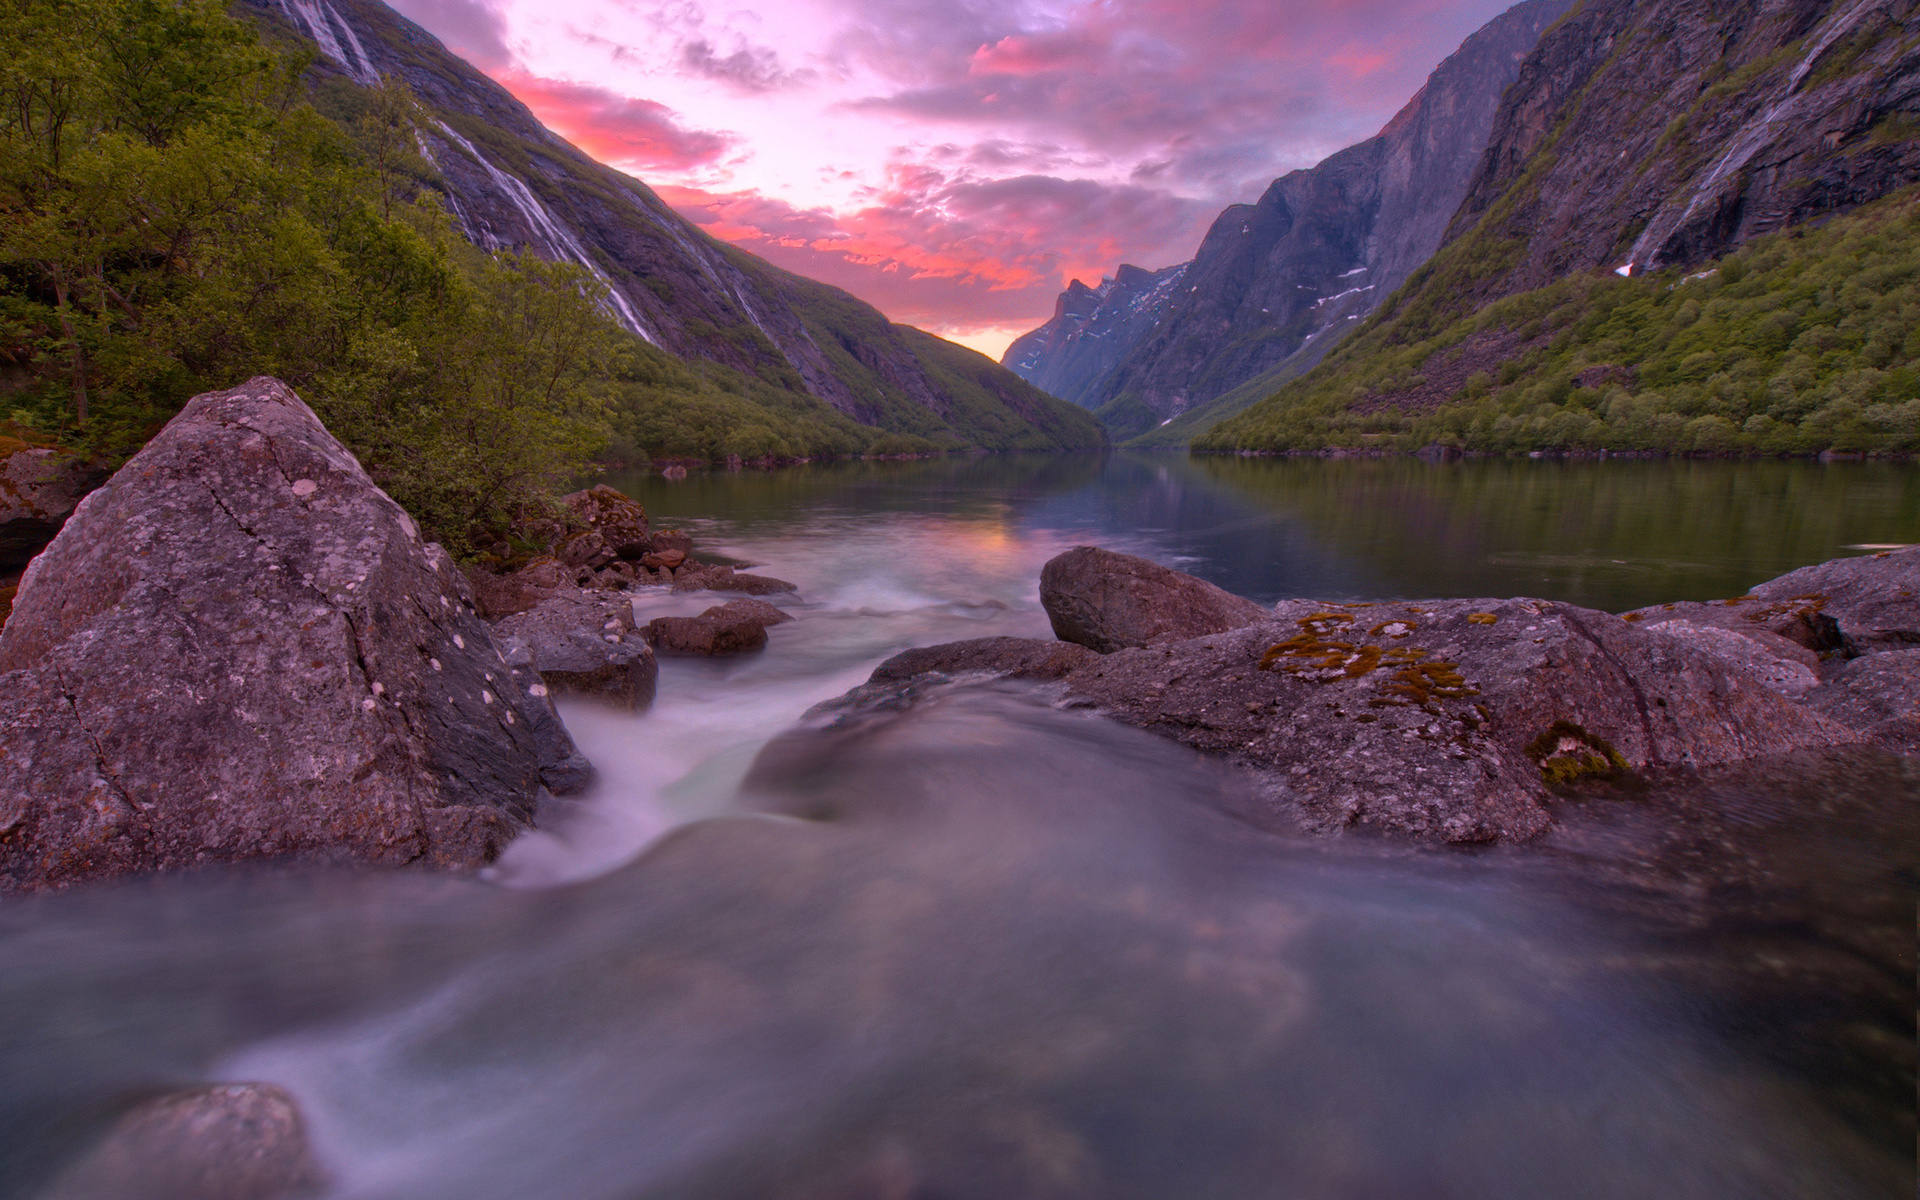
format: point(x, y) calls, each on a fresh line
point(73, 348)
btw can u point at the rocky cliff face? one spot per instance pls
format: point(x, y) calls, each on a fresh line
point(1276, 283)
point(510, 183)
point(1093, 330)
point(1659, 133)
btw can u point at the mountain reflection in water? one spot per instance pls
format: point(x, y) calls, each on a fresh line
point(984, 948)
point(988, 950)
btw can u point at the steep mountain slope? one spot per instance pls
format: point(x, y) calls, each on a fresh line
point(1093, 329)
point(1641, 137)
point(1274, 284)
point(511, 183)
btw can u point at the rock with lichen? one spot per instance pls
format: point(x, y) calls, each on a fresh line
point(619, 520)
point(1873, 598)
point(240, 648)
point(1446, 720)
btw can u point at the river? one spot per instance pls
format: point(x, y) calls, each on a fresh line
point(993, 949)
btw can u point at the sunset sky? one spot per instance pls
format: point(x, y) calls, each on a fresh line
point(956, 162)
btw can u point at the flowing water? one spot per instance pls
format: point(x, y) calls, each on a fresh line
point(987, 948)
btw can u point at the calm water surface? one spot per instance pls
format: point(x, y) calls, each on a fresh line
point(988, 949)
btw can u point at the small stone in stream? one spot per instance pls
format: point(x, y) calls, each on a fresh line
point(1874, 597)
point(698, 576)
point(664, 560)
point(1877, 694)
point(1446, 720)
point(756, 585)
point(620, 522)
point(1107, 601)
point(711, 634)
point(585, 644)
point(243, 1141)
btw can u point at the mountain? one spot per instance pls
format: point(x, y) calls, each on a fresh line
point(1644, 139)
point(510, 183)
point(1276, 283)
point(1092, 331)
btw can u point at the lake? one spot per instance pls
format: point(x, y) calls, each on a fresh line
point(994, 949)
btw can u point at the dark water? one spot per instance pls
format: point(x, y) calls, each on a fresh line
point(992, 949)
point(1608, 534)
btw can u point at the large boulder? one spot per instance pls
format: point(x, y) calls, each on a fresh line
point(586, 644)
point(1447, 720)
point(240, 648)
point(1875, 598)
point(1108, 601)
point(619, 520)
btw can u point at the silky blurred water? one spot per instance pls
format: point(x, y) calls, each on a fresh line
point(987, 948)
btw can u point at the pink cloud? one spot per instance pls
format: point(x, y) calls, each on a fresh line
point(614, 128)
point(958, 254)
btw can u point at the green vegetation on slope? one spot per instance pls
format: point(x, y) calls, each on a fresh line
point(174, 218)
point(1801, 342)
point(178, 213)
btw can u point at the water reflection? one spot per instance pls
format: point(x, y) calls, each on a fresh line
point(1613, 534)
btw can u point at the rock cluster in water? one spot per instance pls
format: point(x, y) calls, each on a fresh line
point(241, 648)
point(1457, 720)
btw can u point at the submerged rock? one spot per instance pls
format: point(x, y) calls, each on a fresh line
point(227, 1142)
point(240, 648)
point(1447, 720)
point(1107, 601)
point(1008, 657)
point(586, 644)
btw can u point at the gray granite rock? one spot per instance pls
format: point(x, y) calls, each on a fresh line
point(1108, 601)
point(1446, 720)
point(240, 648)
point(1875, 598)
point(620, 521)
point(586, 644)
point(1877, 694)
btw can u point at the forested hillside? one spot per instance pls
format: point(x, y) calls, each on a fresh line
point(1801, 342)
point(1642, 260)
point(184, 207)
